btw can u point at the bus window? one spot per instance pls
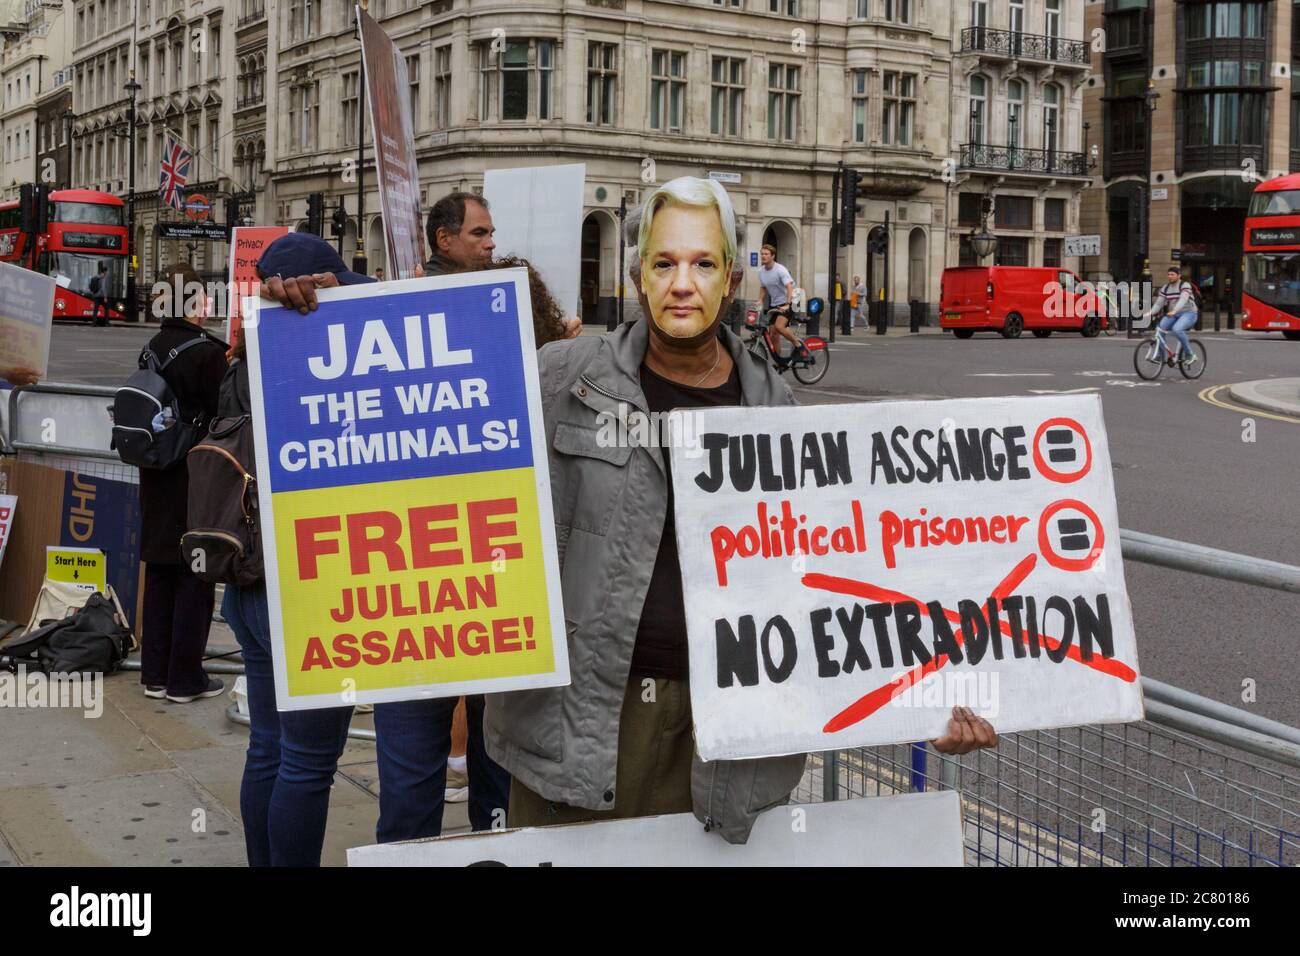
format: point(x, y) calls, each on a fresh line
point(86, 213)
point(1282, 202)
point(1274, 279)
point(77, 269)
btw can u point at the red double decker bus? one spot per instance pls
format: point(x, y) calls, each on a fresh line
point(1270, 299)
point(84, 230)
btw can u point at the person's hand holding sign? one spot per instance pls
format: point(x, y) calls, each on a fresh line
point(20, 376)
point(297, 292)
point(966, 732)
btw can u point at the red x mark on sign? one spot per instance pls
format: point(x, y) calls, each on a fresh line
point(867, 705)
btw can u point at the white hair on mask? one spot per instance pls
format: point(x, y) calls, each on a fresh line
point(690, 191)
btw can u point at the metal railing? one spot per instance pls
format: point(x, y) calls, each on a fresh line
point(1198, 782)
point(1024, 46)
point(1052, 162)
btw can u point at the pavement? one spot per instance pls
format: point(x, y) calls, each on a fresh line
point(1280, 395)
point(151, 783)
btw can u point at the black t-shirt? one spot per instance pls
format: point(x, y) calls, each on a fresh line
point(661, 635)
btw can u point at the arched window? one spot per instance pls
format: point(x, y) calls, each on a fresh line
point(979, 104)
point(1015, 113)
point(1051, 117)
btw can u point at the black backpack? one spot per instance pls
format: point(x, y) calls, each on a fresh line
point(146, 396)
point(94, 285)
point(92, 639)
point(224, 543)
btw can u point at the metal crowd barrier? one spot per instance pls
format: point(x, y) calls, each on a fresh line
point(1196, 783)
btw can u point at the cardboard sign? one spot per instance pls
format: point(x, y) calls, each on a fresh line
point(914, 829)
point(389, 98)
point(247, 243)
point(26, 314)
point(405, 493)
point(537, 211)
point(86, 568)
point(8, 505)
point(852, 572)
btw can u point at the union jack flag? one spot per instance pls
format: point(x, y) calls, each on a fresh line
point(174, 174)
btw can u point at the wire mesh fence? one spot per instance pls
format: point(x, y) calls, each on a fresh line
point(1115, 795)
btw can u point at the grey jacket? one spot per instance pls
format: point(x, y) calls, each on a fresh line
point(610, 504)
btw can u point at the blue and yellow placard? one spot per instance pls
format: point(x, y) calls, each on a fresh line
point(405, 494)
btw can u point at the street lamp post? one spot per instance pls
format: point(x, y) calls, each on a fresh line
point(983, 243)
point(1151, 96)
point(132, 310)
point(68, 117)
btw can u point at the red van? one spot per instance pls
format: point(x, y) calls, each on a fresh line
point(1010, 299)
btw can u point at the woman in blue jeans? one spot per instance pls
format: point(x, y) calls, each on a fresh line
point(292, 756)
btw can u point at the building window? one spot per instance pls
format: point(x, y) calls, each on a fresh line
point(789, 7)
point(728, 96)
point(969, 208)
point(898, 11)
point(723, 3)
point(1054, 215)
point(602, 82)
point(508, 72)
point(782, 102)
point(1014, 212)
point(1051, 117)
point(1015, 113)
point(1052, 253)
point(442, 87)
point(1017, 16)
point(863, 9)
point(1224, 20)
point(214, 147)
point(545, 79)
point(413, 81)
point(1012, 251)
point(1052, 18)
point(979, 87)
point(899, 108)
point(1123, 32)
point(351, 103)
point(859, 106)
point(1128, 112)
point(667, 90)
point(514, 81)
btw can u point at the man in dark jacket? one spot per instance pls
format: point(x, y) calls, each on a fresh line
point(177, 605)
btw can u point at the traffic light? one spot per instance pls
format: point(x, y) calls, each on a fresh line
point(316, 213)
point(32, 198)
point(848, 205)
point(877, 241)
point(339, 221)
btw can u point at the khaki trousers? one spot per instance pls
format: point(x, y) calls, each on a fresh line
point(655, 749)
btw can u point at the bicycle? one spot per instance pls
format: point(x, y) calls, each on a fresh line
point(766, 344)
point(1152, 355)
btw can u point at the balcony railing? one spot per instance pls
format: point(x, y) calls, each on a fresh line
point(1047, 162)
point(1024, 46)
point(253, 17)
point(244, 101)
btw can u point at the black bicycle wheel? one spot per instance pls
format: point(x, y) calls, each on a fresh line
point(814, 373)
point(1195, 368)
point(1148, 359)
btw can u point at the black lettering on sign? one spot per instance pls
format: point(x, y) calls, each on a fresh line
point(737, 654)
point(823, 643)
point(777, 673)
point(1074, 534)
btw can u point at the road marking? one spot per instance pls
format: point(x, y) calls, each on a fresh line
point(1095, 374)
point(1211, 396)
point(1012, 375)
point(1063, 391)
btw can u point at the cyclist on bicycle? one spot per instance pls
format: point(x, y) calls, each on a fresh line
point(776, 296)
point(1177, 301)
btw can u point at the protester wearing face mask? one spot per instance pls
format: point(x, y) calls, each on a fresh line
point(617, 742)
